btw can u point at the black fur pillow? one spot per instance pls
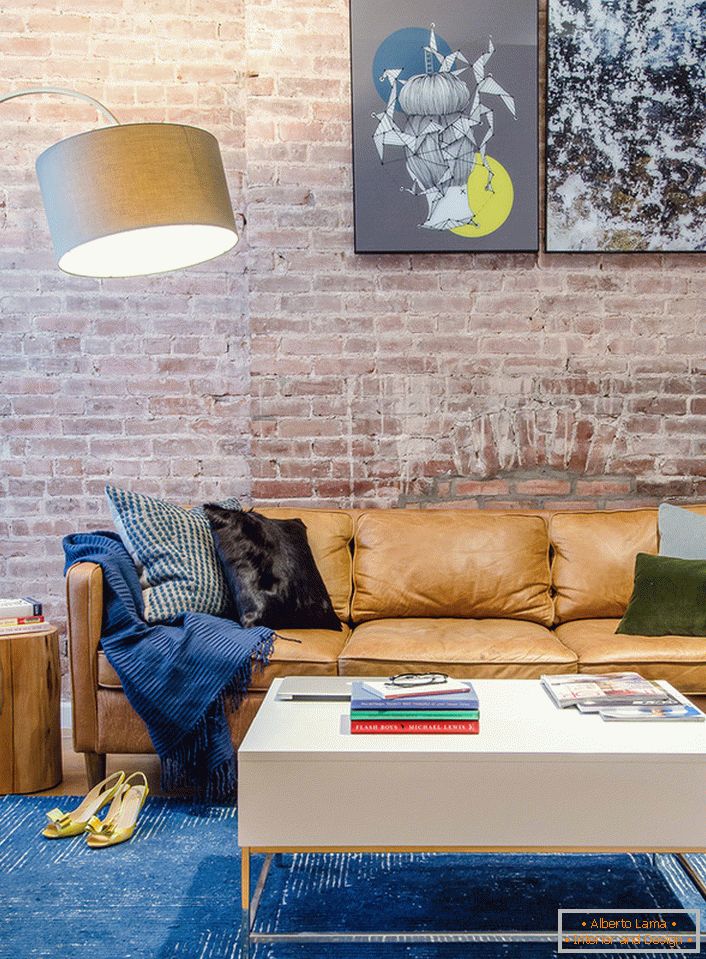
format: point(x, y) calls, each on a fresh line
point(270, 570)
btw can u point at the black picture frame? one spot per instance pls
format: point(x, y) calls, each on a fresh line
point(388, 216)
point(570, 92)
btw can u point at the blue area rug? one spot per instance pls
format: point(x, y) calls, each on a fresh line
point(174, 891)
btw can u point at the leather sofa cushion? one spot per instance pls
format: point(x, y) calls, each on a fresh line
point(593, 569)
point(681, 660)
point(107, 677)
point(315, 655)
point(329, 533)
point(594, 560)
point(484, 648)
point(120, 729)
point(451, 563)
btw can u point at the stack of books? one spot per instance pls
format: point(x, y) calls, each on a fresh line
point(23, 615)
point(450, 707)
point(620, 696)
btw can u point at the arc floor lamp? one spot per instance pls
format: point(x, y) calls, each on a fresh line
point(134, 199)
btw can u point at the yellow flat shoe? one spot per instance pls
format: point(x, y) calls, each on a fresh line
point(65, 824)
point(121, 819)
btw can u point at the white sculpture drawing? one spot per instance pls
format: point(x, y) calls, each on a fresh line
point(438, 130)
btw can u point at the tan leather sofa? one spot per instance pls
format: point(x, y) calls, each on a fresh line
point(476, 593)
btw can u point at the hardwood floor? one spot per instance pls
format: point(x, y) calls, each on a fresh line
point(74, 781)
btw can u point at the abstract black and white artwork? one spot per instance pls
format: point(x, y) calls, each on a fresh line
point(444, 125)
point(626, 93)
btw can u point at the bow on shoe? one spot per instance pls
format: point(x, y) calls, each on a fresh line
point(62, 824)
point(100, 827)
point(59, 818)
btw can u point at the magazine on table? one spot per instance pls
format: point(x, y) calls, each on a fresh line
point(598, 705)
point(672, 712)
point(604, 689)
point(679, 710)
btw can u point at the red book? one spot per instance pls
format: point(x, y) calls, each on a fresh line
point(20, 620)
point(417, 726)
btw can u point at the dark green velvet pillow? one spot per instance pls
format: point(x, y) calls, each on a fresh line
point(668, 599)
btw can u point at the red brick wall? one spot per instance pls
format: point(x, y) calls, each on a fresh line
point(410, 379)
point(294, 369)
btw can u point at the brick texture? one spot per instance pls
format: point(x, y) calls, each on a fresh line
point(292, 369)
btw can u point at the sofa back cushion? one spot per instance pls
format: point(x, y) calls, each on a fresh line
point(329, 533)
point(593, 568)
point(594, 560)
point(681, 533)
point(451, 563)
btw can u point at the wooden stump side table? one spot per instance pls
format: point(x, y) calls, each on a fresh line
point(30, 723)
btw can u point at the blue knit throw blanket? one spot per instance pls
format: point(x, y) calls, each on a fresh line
point(180, 678)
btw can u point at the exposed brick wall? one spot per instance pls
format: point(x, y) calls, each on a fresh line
point(144, 381)
point(539, 489)
point(292, 368)
point(409, 379)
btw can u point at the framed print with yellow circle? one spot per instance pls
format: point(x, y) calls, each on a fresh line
point(444, 100)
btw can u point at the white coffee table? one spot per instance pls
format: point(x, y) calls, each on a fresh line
point(538, 779)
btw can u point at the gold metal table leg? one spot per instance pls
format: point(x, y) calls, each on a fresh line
point(245, 902)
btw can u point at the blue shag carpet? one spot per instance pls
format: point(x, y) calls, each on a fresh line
point(174, 891)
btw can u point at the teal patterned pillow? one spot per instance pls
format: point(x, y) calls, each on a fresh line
point(173, 551)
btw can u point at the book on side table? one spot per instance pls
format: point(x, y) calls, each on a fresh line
point(22, 615)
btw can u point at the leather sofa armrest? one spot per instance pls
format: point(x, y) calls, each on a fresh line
point(84, 601)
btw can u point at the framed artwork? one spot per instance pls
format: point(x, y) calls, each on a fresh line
point(626, 90)
point(444, 101)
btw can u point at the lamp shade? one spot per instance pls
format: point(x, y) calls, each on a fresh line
point(135, 199)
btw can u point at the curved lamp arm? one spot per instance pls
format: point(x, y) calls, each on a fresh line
point(61, 91)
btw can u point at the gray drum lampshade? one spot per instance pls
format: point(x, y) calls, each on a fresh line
point(135, 199)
